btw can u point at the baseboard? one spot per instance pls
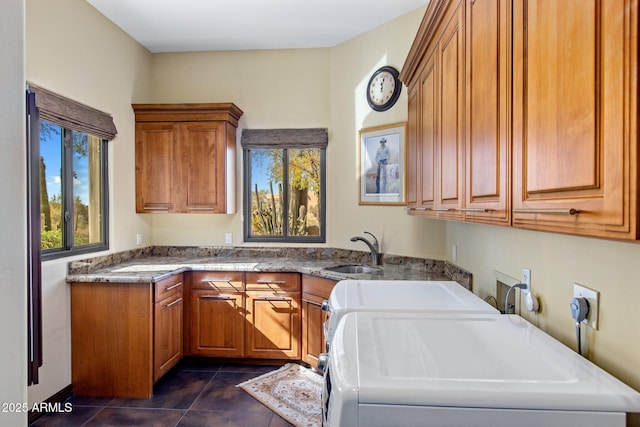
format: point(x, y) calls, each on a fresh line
point(59, 397)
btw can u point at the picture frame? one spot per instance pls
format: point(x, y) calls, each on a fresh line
point(382, 165)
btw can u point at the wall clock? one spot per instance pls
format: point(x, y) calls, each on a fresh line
point(384, 88)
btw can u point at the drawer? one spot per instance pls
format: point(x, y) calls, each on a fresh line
point(168, 287)
point(273, 281)
point(318, 286)
point(217, 280)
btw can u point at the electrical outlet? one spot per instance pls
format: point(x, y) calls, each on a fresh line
point(454, 253)
point(526, 279)
point(139, 239)
point(228, 237)
point(594, 299)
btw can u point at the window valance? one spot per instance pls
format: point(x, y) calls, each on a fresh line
point(70, 114)
point(285, 138)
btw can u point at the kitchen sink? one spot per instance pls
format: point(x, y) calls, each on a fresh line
point(356, 269)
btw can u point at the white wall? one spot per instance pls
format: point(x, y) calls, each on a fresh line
point(352, 64)
point(557, 262)
point(274, 88)
point(71, 49)
point(301, 88)
point(13, 251)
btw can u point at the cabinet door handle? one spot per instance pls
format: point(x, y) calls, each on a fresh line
point(442, 209)
point(271, 298)
point(200, 209)
point(173, 303)
point(271, 282)
point(222, 297)
point(155, 208)
point(173, 287)
point(226, 280)
point(570, 211)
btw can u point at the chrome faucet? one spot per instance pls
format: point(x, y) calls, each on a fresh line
point(373, 247)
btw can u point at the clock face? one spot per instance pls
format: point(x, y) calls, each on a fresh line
point(383, 89)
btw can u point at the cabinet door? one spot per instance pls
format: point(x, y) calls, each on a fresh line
point(488, 139)
point(202, 167)
point(155, 172)
point(314, 291)
point(216, 324)
point(273, 325)
point(575, 113)
point(413, 150)
point(450, 168)
point(167, 343)
point(313, 342)
point(428, 135)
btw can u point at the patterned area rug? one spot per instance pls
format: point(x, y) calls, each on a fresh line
point(292, 391)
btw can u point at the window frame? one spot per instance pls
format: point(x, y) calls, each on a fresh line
point(246, 192)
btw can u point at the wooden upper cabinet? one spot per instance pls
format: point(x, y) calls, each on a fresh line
point(488, 107)
point(185, 157)
point(525, 113)
point(575, 117)
point(436, 116)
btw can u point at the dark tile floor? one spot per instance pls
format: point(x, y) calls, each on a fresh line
point(194, 393)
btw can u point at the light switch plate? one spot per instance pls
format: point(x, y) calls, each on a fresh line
point(228, 237)
point(594, 300)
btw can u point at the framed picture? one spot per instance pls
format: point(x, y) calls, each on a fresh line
point(382, 164)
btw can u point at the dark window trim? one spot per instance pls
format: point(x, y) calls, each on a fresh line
point(247, 199)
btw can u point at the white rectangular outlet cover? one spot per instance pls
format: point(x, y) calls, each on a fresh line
point(594, 300)
point(228, 237)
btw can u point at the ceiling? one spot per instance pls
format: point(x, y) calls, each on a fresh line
point(214, 25)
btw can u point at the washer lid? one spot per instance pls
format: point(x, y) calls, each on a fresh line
point(405, 295)
point(467, 360)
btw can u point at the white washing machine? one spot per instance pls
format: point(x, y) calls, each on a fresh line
point(443, 369)
point(399, 295)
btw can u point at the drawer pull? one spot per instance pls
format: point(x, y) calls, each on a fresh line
point(155, 208)
point(271, 282)
point(200, 209)
point(476, 210)
point(570, 211)
point(271, 298)
point(173, 287)
point(221, 297)
point(215, 280)
point(442, 209)
point(173, 303)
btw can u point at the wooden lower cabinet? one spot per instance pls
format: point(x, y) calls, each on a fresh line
point(225, 320)
point(273, 325)
point(167, 331)
point(272, 315)
point(214, 317)
point(118, 342)
point(314, 291)
point(217, 324)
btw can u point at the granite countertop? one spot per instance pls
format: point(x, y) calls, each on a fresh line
point(152, 264)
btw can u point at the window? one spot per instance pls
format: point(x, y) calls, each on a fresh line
point(69, 176)
point(284, 192)
point(72, 190)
